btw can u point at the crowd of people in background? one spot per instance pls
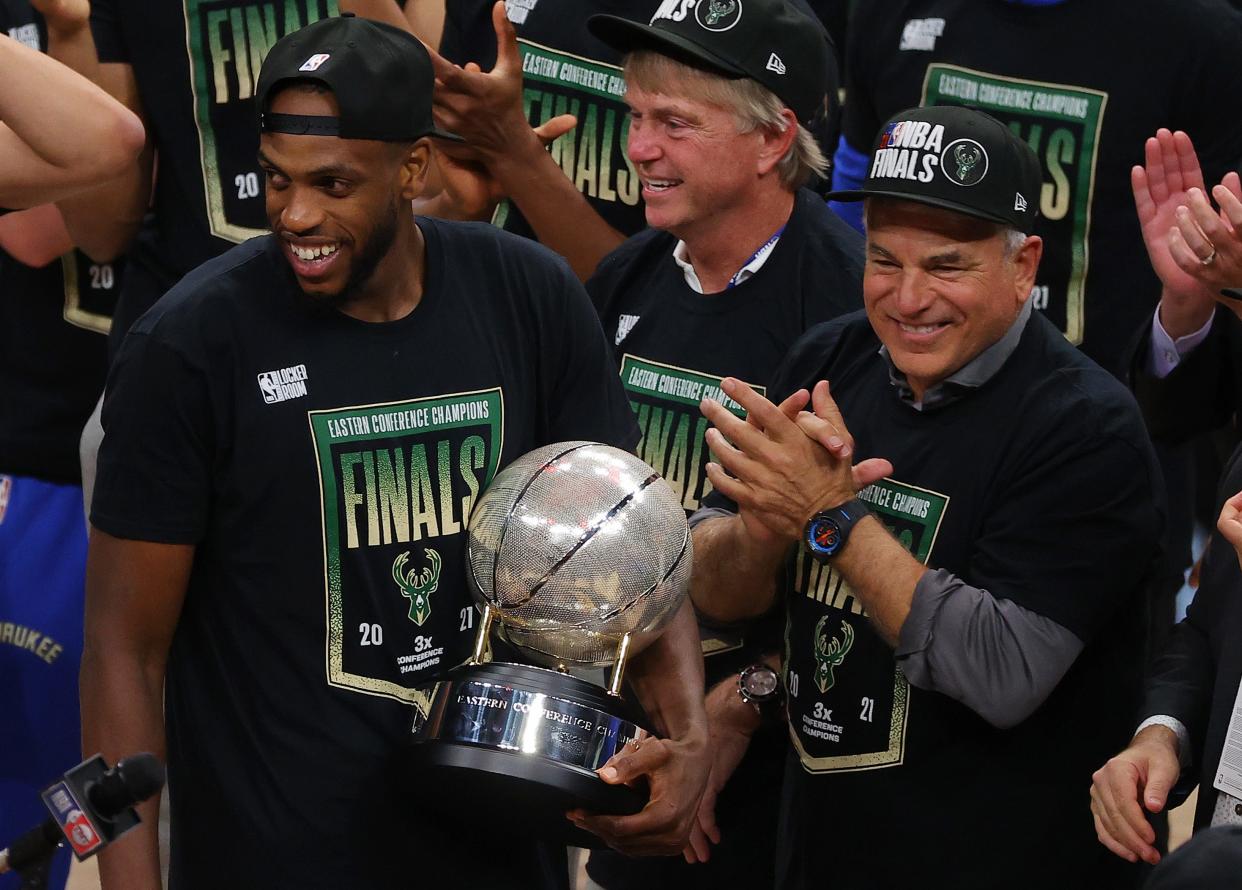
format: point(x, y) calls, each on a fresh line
point(956, 286)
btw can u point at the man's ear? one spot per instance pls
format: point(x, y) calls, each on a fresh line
point(776, 142)
point(414, 163)
point(1026, 263)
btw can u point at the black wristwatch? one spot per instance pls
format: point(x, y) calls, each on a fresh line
point(759, 685)
point(827, 531)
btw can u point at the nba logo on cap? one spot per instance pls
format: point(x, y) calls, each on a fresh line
point(313, 63)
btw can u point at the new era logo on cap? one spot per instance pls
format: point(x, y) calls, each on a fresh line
point(313, 63)
point(1019, 202)
point(775, 64)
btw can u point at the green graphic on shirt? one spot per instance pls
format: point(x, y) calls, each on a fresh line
point(856, 719)
point(227, 41)
point(1062, 124)
point(593, 154)
point(830, 653)
point(665, 400)
point(394, 475)
point(417, 586)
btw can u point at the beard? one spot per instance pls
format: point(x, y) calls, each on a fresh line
point(365, 261)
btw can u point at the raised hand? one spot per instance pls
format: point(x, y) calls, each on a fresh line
point(1161, 186)
point(1207, 243)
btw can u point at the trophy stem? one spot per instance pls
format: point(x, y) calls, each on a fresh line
point(482, 645)
point(618, 667)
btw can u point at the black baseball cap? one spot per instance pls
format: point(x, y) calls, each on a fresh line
point(770, 41)
point(957, 158)
point(381, 77)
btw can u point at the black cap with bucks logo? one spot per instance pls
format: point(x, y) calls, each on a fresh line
point(956, 158)
point(770, 41)
point(381, 77)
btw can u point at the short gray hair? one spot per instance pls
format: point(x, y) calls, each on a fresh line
point(752, 104)
point(1012, 238)
point(1013, 241)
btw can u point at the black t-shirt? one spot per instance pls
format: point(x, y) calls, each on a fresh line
point(673, 346)
point(196, 64)
point(1085, 83)
point(1040, 487)
point(310, 456)
point(567, 70)
point(53, 326)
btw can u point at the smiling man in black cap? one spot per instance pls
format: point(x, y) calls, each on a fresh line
point(964, 606)
point(286, 429)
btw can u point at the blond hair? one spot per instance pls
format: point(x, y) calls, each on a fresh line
point(753, 106)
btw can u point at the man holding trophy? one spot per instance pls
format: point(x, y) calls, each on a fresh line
point(296, 435)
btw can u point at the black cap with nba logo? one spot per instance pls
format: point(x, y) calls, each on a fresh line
point(770, 41)
point(381, 77)
point(956, 158)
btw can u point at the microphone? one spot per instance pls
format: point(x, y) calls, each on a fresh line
point(91, 807)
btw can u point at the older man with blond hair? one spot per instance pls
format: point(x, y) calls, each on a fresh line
point(738, 261)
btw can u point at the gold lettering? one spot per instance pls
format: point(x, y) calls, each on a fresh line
point(470, 459)
point(260, 34)
point(588, 155)
point(353, 498)
point(448, 525)
point(245, 82)
point(394, 500)
point(219, 55)
point(422, 496)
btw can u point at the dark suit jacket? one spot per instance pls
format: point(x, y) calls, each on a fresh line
point(1201, 394)
point(1196, 677)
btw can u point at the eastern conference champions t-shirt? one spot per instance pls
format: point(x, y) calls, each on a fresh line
point(196, 63)
point(674, 345)
point(325, 469)
point(1075, 80)
point(1038, 487)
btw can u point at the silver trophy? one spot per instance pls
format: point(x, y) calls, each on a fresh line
point(581, 553)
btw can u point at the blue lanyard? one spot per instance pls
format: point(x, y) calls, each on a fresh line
point(765, 248)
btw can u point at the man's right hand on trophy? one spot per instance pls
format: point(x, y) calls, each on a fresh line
point(675, 771)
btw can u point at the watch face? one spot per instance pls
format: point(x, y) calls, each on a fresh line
point(824, 536)
point(760, 684)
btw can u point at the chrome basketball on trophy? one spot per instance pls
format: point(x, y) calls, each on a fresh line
point(579, 554)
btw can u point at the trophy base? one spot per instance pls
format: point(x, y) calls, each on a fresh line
point(523, 742)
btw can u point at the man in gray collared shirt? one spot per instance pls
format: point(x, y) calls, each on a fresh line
point(964, 607)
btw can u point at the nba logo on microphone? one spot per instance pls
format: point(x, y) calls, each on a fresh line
point(73, 822)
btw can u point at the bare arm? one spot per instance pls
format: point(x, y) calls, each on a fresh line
point(487, 110)
point(386, 11)
point(668, 679)
point(134, 591)
point(104, 220)
point(60, 133)
point(34, 237)
point(734, 575)
point(426, 18)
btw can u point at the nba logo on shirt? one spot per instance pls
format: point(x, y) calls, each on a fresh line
point(6, 490)
point(313, 63)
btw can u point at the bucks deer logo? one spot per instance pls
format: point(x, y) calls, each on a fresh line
point(829, 653)
point(964, 162)
point(418, 586)
point(718, 15)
